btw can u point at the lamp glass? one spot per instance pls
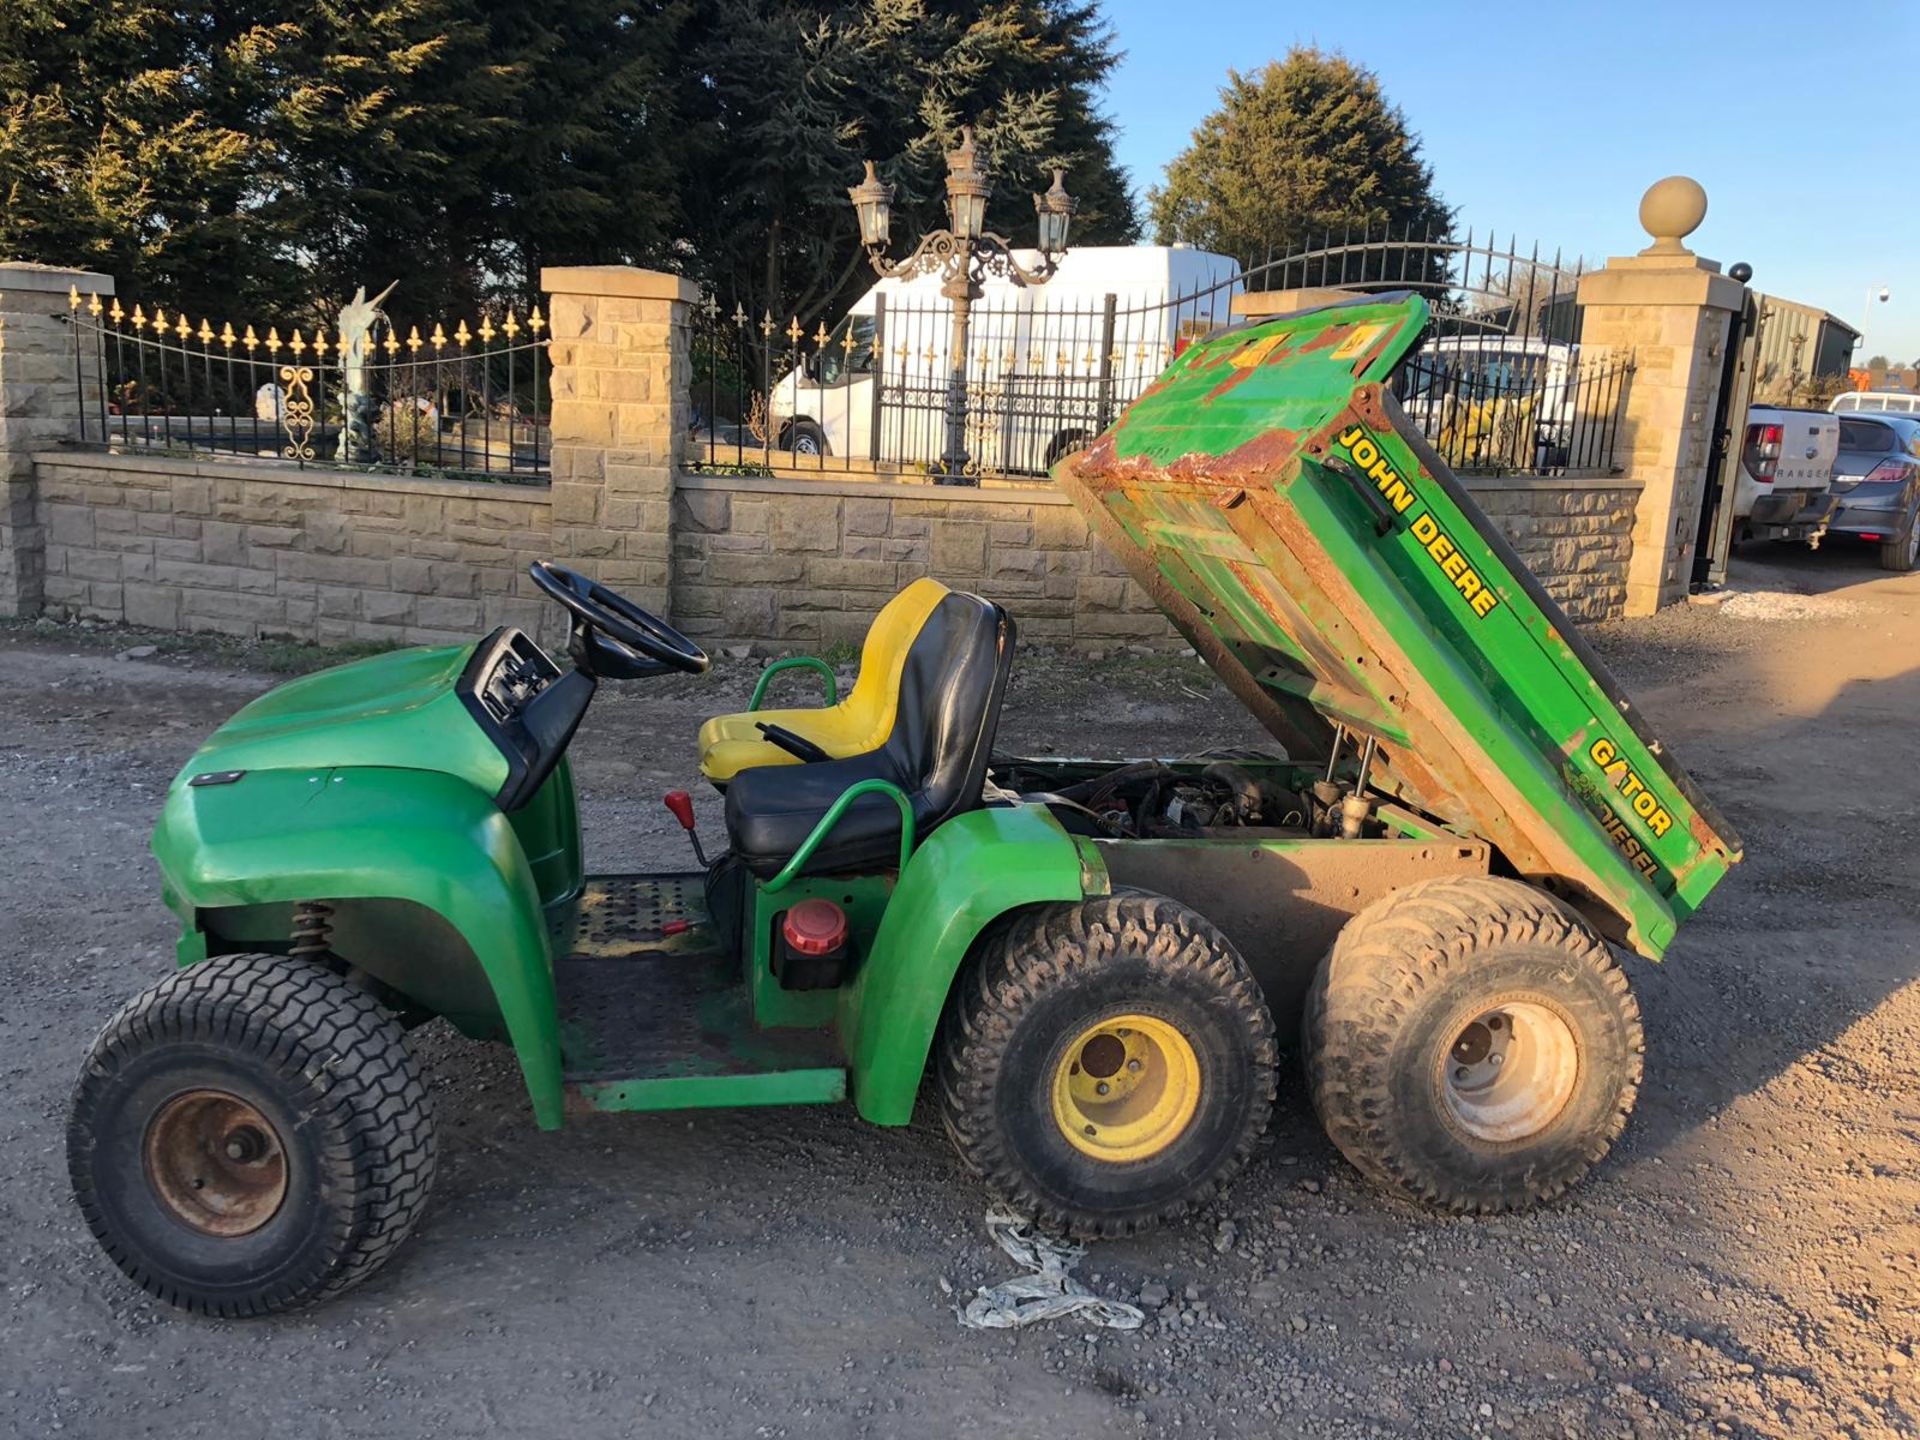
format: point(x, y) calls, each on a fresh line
point(876, 222)
point(873, 207)
point(969, 213)
point(1053, 231)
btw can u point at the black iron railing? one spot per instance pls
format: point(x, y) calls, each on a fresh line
point(471, 402)
point(1502, 407)
point(1502, 384)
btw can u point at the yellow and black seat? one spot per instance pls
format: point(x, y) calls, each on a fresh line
point(857, 724)
point(935, 754)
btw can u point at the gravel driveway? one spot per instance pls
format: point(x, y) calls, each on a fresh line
point(1747, 1263)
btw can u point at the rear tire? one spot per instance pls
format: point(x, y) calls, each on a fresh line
point(1107, 1066)
point(1472, 1045)
point(250, 1135)
point(1901, 551)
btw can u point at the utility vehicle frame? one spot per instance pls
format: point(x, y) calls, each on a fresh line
point(1095, 960)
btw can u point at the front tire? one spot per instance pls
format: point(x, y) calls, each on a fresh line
point(250, 1135)
point(1107, 1066)
point(1472, 1045)
point(803, 437)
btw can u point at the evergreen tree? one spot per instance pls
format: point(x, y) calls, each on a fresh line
point(792, 98)
point(262, 158)
point(124, 140)
point(1307, 146)
point(382, 116)
point(588, 168)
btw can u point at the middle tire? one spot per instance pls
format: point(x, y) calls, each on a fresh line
point(1472, 1044)
point(1108, 1065)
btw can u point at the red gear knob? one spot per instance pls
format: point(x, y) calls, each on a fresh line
point(815, 927)
point(681, 804)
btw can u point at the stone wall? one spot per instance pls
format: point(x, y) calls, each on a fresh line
point(270, 551)
point(782, 564)
point(787, 563)
point(261, 550)
point(1575, 535)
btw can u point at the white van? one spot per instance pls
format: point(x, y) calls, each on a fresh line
point(1048, 365)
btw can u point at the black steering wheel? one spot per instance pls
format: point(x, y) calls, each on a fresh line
point(608, 626)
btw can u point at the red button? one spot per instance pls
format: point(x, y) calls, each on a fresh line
point(815, 927)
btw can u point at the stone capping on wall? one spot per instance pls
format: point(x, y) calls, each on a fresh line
point(1475, 483)
point(1004, 494)
point(1048, 494)
point(1036, 494)
point(178, 466)
point(24, 275)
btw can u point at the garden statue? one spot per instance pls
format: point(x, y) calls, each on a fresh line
point(357, 402)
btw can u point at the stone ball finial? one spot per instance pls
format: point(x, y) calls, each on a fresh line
point(1671, 210)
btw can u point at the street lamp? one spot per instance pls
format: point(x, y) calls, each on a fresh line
point(962, 255)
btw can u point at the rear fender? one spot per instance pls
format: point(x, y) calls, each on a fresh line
point(973, 869)
point(279, 837)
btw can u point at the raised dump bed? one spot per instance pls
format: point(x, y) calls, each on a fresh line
point(1318, 553)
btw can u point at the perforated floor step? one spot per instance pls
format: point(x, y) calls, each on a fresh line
point(650, 1021)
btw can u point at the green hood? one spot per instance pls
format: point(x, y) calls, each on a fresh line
point(396, 711)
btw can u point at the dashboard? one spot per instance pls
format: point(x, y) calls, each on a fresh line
point(519, 670)
point(526, 705)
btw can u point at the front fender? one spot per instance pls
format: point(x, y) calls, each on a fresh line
point(283, 836)
point(972, 870)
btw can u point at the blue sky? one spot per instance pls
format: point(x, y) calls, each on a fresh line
point(1549, 120)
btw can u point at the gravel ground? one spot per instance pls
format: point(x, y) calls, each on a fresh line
point(1746, 1264)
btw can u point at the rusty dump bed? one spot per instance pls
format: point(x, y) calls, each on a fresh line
point(1292, 522)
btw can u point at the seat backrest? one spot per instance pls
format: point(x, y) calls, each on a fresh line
point(951, 688)
point(885, 649)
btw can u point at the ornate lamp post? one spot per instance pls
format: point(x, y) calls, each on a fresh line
point(963, 255)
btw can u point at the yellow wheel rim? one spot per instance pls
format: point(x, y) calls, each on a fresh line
point(1126, 1088)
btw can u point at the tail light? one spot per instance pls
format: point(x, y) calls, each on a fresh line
point(1762, 452)
point(1889, 472)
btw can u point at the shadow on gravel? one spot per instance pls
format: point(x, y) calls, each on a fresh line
point(1840, 562)
point(1814, 929)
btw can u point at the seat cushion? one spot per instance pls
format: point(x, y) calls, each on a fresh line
point(936, 753)
point(859, 723)
point(772, 810)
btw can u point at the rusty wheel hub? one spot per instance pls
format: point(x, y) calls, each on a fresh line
point(215, 1163)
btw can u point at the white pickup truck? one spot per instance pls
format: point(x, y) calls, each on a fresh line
point(1786, 474)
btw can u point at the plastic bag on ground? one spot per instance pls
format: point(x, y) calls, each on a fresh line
point(1047, 1293)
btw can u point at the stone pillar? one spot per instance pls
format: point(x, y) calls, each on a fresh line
point(1671, 310)
point(622, 411)
point(40, 404)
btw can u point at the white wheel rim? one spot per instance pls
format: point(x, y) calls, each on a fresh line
point(1509, 1072)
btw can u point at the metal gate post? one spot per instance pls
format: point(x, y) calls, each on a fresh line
point(1715, 542)
point(879, 373)
point(1103, 413)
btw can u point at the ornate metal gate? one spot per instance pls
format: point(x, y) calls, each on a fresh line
point(1501, 385)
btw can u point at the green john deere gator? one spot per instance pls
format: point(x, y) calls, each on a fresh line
point(1092, 959)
